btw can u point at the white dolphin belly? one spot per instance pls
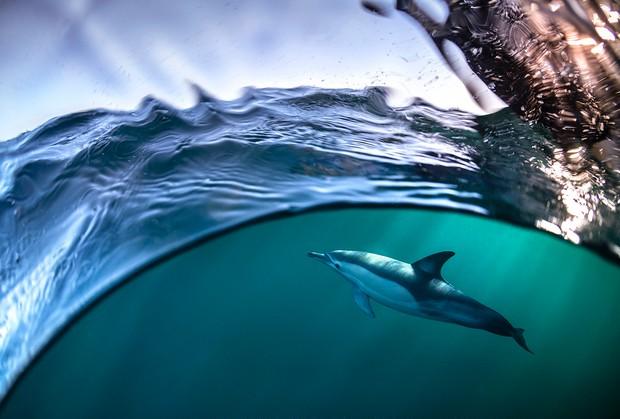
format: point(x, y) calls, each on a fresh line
point(383, 291)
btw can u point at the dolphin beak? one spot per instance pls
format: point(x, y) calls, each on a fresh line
point(319, 256)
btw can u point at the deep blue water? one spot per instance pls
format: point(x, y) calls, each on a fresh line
point(90, 198)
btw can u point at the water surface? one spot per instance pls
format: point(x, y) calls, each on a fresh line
point(89, 198)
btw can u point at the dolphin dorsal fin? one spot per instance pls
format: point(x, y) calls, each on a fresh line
point(430, 266)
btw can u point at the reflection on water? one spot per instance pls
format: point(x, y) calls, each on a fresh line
point(554, 62)
point(582, 194)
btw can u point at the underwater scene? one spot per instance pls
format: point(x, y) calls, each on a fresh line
point(372, 235)
point(248, 325)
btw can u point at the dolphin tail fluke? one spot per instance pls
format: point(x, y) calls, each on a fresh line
point(517, 334)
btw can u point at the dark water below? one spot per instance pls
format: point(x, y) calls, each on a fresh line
point(247, 325)
point(90, 198)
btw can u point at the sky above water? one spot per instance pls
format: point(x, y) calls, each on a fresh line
point(66, 56)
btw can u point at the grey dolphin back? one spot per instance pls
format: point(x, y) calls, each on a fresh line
point(429, 268)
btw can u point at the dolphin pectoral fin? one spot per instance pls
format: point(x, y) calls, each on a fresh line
point(430, 266)
point(363, 302)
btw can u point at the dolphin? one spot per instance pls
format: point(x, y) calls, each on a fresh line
point(415, 288)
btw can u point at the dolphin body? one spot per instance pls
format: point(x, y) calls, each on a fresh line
point(417, 289)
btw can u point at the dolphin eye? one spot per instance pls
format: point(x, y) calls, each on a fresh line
point(337, 265)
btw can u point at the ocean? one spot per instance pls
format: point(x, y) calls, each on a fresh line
point(247, 325)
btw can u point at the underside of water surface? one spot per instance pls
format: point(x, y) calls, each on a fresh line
point(248, 325)
point(88, 199)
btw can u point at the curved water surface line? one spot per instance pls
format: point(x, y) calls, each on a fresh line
point(93, 197)
point(187, 246)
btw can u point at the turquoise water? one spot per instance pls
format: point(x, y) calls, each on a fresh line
point(248, 325)
point(92, 198)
